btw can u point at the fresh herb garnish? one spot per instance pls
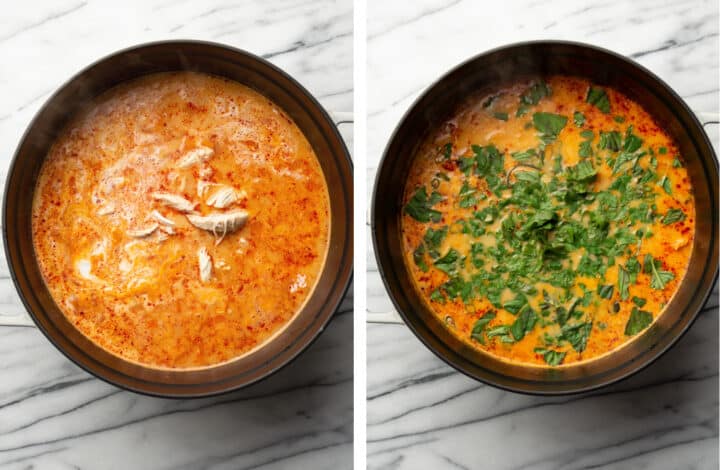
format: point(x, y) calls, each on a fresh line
point(549, 125)
point(447, 151)
point(673, 215)
point(623, 283)
point(478, 331)
point(577, 335)
point(433, 238)
point(532, 96)
point(578, 118)
point(513, 306)
point(658, 277)
point(610, 141)
point(419, 258)
point(606, 291)
point(449, 262)
point(502, 332)
point(525, 155)
point(467, 195)
point(551, 357)
point(598, 98)
point(524, 323)
point(638, 321)
point(666, 185)
point(420, 206)
point(501, 116)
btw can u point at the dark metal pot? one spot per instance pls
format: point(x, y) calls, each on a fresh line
point(546, 58)
point(126, 65)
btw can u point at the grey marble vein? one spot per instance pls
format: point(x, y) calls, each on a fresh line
point(423, 414)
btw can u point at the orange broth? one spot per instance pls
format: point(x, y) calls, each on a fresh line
point(508, 281)
point(130, 270)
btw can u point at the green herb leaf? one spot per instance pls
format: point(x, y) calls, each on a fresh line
point(638, 321)
point(578, 118)
point(467, 196)
point(524, 323)
point(479, 328)
point(419, 258)
point(447, 151)
point(503, 332)
point(489, 164)
point(623, 283)
point(640, 302)
point(610, 141)
point(525, 155)
point(513, 306)
point(535, 93)
point(449, 262)
point(437, 296)
point(677, 163)
point(605, 291)
point(420, 206)
point(660, 279)
point(585, 149)
point(433, 239)
point(582, 172)
point(552, 358)
point(632, 142)
point(673, 215)
point(548, 124)
point(666, 185)
point(501, 116)
point(598, 98)
point(577, 335)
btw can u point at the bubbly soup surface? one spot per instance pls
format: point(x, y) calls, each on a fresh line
point(548, 222)
point(180, 220)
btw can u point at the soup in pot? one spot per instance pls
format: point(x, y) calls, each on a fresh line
point(181, 220)
point(548, 221)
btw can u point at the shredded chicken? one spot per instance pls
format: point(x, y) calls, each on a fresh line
point(195, 156)
point(204, 264)
point(142, 232)
point(161, 219)
point(223, 197)
point(220, 224)
point(174, 201)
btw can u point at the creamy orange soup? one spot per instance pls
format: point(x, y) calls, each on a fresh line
point(181, 220)
point(549, 221)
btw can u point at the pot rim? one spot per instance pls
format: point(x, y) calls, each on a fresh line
point(341, 287)
point(414, 107)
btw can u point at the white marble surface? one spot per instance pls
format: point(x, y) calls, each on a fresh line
point(54, 415)
point(421, 413)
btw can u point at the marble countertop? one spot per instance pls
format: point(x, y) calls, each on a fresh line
point(421, 413)
point(54, 415)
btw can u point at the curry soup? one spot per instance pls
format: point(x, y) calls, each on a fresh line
point(181, 220)
point(548, 222)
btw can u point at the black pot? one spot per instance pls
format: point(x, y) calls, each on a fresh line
point(496, 67)
point(126, 65)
